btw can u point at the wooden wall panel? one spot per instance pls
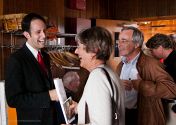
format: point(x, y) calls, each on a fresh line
point(18, 6)
point(172, 7)
point(131, 9)
point(92, 10)
point(1, 7)
point(147, 8)
point(53, 9)
point(125, 9)
point(95, 10)
point(109, 9)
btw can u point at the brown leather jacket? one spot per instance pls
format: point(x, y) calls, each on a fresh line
point(155, 84)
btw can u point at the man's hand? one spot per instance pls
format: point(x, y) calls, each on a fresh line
point(127, 84)
point(53, 95)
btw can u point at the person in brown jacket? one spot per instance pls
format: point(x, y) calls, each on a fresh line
point(145, 80)
point(162, 47)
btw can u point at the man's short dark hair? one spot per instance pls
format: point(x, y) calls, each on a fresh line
point(26, 22)
point(159, 40)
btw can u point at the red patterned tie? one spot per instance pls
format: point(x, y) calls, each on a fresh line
point(41, 62)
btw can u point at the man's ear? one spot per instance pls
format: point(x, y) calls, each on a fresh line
point(26, 34)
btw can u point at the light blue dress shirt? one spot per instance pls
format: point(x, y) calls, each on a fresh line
point(129, 72)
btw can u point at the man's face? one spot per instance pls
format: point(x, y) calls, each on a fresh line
point(36, 38)
point(125, 44)
point(157, 52)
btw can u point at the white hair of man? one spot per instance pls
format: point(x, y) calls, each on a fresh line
point(71, 80)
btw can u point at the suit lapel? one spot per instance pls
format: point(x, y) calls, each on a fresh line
point(36, 65)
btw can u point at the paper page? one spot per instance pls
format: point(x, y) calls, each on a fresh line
point(3, 112)
point(64, 102)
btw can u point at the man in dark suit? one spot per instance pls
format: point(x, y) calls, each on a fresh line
point(29, 86)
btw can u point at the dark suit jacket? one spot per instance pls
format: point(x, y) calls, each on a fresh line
point(26, 89)
point(170, 63)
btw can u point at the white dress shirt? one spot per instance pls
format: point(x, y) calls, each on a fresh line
point(33, 51)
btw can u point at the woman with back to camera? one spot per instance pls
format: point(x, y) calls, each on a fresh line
point(95, 106)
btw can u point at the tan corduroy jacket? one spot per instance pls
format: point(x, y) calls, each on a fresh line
point(155, 84)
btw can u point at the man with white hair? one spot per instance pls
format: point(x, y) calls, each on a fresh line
point(71, 82)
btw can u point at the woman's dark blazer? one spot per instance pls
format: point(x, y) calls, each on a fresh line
point(27, 88)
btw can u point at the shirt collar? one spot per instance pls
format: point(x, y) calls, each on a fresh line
point(33, 51)
point(133, 61)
